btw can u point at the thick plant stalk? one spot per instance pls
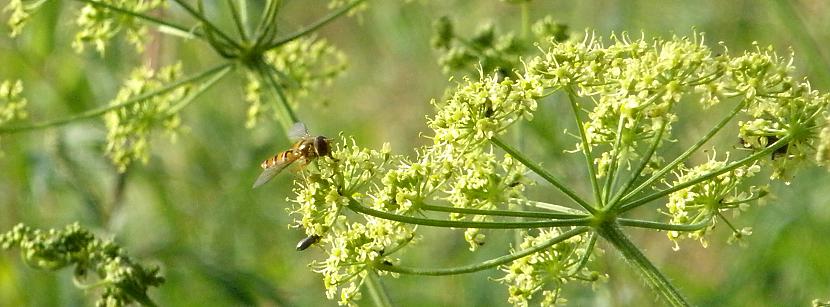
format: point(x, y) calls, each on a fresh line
point(633, 256)
point(376, 290)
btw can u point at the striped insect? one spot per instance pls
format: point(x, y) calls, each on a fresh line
point(305, 149)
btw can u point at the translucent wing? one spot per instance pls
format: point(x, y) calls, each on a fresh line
point(270, 172)
point(297, 131)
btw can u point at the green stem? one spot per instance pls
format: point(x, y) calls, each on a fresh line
point(355, 206)
point(614, 203)
point(663, 171)
point(237, 20)
point(225, 50)
point(552, 207)
point(586, 148)
point(653, 277)
point(259, 31)
point(611, 174)
point(243, 13)
point(486, 264)
point(283, 100)
point(148, 18)
point(587, 256)
point(543, 173)
point(313, 27)
point(525, 7)
point(663, 226)
point(745, 200)
point(266, 28)
point(105, 109)
point(202, 88)
point(376, 290)
point(758, 155)
point(139, 297)
point(514, 213)
point(211, 27)
point(723, 218)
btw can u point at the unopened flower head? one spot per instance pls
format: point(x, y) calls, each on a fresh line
point(129, 127)
point(488, 49)
point(443, 33)
point(124, 281)
point(551, 30)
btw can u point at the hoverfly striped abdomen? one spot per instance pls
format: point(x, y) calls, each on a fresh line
point(305, 149)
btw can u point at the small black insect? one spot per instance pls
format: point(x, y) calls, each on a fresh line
point(307, 242)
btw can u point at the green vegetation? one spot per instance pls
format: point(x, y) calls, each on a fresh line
point(558, 165)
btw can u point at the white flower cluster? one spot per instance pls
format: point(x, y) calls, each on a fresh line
point(485, 182)
point(547, 270)
point(704, 203)
point(480, 110)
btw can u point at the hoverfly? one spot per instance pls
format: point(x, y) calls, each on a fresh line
point(305, 149)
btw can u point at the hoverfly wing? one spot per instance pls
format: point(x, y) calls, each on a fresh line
point(297, 131)
point(270, 172)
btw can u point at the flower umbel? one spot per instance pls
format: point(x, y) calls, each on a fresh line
point(484, 183)
point(129, 128)
point(705, 202)
point(548, 270)
point(353, 247)
point(480, 110)
point(98, 25)
point(625, 98)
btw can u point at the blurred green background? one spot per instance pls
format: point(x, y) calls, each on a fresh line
point(191, 209)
